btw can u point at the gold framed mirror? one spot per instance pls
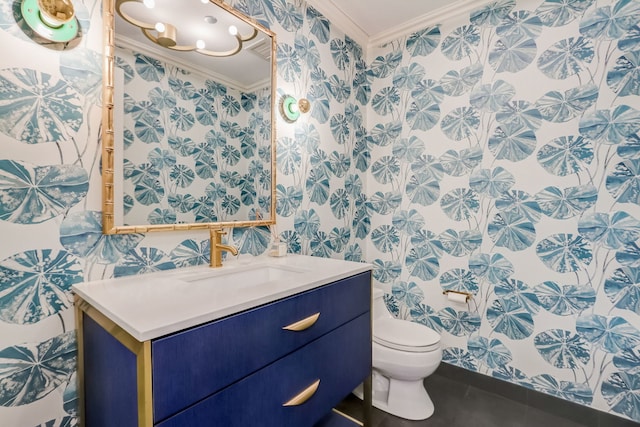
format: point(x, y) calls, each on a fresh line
point(188, 117)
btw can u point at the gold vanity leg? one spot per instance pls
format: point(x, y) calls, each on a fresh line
point(145, 406)
point(142, 351)
point(366, 401)
point(80, 359)
point(367, 391)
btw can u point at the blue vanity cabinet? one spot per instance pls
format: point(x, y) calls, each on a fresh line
point(245, 342)
point(334, 364)
point(285, 363)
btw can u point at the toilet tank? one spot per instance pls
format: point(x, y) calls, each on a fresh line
point(379, 308)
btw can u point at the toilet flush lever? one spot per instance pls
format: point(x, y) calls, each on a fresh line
point(303, 324)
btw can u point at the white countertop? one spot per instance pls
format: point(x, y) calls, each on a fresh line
point(152, 305)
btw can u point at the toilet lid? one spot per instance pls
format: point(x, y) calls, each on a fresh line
point(404, 335)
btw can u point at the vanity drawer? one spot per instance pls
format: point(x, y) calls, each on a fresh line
point(339, 359)
point(192, 365)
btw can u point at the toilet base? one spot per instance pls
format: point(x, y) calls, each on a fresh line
point(404, 399)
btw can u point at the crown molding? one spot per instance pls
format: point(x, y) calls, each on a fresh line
point(337, 17)
point(432, 18)
point(165, 55)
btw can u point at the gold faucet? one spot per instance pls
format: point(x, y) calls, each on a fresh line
point(217, 247)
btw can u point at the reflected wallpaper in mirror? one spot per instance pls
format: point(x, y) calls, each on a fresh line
point(195, 150)
point(192, 135)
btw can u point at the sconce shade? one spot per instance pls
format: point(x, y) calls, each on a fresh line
point(54, 20)
point(290, 108)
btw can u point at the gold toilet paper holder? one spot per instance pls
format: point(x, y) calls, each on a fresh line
point(467, 295)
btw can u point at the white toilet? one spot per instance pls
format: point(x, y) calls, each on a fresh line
point(404, 354)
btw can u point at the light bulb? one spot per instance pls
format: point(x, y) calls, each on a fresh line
point(200, 44)
point(150, 4)
point(160, 27)
point(233, 30)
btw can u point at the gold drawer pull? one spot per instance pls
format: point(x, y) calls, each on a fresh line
point(304, 395)
point(303, 324)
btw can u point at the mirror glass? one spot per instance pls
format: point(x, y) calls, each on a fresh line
point(189, 135)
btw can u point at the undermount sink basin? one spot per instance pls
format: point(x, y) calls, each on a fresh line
point(247, 277)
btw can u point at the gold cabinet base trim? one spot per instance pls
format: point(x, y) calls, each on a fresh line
point(350, 418)
point(142, 351)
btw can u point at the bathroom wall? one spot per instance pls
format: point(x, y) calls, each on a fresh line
point(504, 163)
point(495, 154)
point(50, 188)
point(184, 163)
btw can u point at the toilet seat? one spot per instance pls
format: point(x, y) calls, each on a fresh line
point(405, 336)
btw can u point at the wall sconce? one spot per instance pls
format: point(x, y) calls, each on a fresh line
point(290, 108)
point(165, 34)
point(54, 20)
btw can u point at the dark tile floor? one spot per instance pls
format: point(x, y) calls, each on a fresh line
point(458, 404)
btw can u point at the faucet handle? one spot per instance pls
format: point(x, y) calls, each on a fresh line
point(217, 232)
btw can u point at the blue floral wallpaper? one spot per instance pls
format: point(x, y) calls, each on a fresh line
point(195, 149)
point(504, 163)
point(493, 154)
point(50, 186)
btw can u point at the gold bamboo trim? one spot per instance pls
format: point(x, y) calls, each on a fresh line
point(303, 324)
point(304, 395)
point(350, 418)
point(108, 138)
